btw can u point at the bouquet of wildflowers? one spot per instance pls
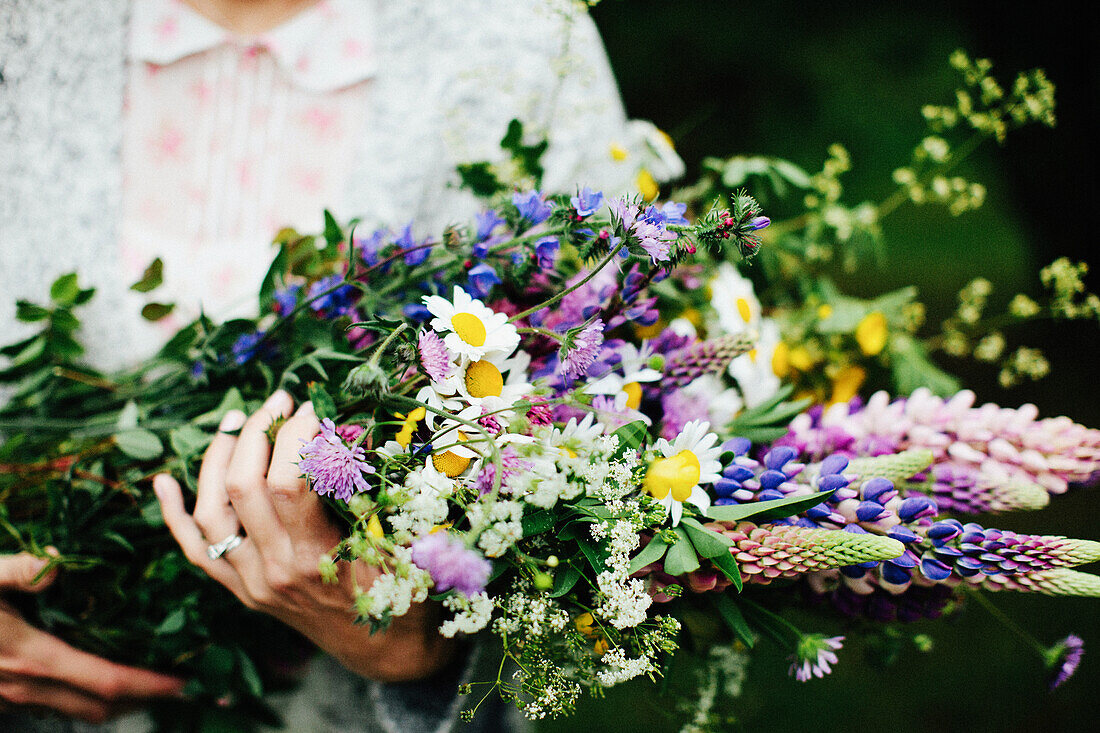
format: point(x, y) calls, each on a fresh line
point(564, 422)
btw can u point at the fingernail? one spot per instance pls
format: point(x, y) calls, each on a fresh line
point(160, 485)
point(278, 399)
point(307, 408)
point(233, 420)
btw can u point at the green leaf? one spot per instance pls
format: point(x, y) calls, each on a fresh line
point(250, 674)
point(231, 401)
point(763, 511)
point(156, 311)
point(733, 617)
point(537, 522)
point(681, 558)
point(271, 280)
point(151, 278)
point(707, 543)
point(564, 580)
point(597, 556)
point(172, 623)
point(632, 435)
point(652, 552)
point(188, 440)
point(728, 565)
point(139, 444)
point(333, 234)
point(912, 368)
point(479, 178)
point(64, 290)
point(128, 416)
point(323, 403)
point(29, 312)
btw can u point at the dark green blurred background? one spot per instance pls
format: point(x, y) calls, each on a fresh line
point(788, 79)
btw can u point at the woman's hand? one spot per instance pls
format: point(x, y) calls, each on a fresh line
point(39, 672)
point(245, 482)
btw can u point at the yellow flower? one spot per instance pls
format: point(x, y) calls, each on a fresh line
point(871, 333)
point(585, 624)
point(781, 360)
point(847, 382)
point(647, 185)
point(824, 311)
point(801, 358)
point(374, 527)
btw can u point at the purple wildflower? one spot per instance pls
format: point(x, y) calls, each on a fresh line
point(339, 302)
point(350, 433)
point(814, 656)
point(587, 202)
point(654, 239)
point(1064, 659)
point(371, 247)
point(668, 213)
point(286, 299)
point(540, 412)
point(487, 221)
point(546, 251)
point(759, 222)
point(332, 467)
point(625, 212)
point(482, 279)
point(582, 349)
point(434, 356)
point(531, 206)
point(247, 346)
point(451, 564)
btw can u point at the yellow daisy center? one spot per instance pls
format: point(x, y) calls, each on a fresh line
point(449, 463)
point(483, 379)
point(744, 310)
point(633, 395)
point(469, 328)
point(678, 474)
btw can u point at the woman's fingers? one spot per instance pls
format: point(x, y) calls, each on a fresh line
point(17, 572)
point(299, 509)
point(193, 543)
point(246, 479)
point(55, 698)
point(213, 512)
point(49, 658)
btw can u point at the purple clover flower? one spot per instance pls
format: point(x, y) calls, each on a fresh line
point(587, 202)
point(451, 564)
point(532, 206)
point(434, 356)
point(1064, 658)
point(332, 467)
point(582, 349)
point(814, 656)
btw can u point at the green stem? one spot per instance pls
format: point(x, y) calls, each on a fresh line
point(1012, 626)
point(557, 298)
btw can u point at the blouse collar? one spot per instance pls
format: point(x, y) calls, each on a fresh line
point(326, 47)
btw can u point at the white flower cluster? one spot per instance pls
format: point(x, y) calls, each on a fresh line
point(554, 693)
point(394, 592)
point(620, 668)
point(623, 600)
point(423, 504)
point(471, 614)
point(504, 528)
point(527, 614)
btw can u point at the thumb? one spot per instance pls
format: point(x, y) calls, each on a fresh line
point(17, 572)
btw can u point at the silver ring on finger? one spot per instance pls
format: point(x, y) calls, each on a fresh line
point(218, 549)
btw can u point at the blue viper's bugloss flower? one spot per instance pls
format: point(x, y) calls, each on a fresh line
point(482, 279)
point(546, 251)
point(669, 212)
point(416, 312)
point(286, 299)
point(587, 202)
point(531, 206)
point(370, 247)
point(451, 564)
point(486, 221)
point(246, 347)
point(405, 242)
point(337, 303)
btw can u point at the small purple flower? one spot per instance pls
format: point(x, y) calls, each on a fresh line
point(333, 304)
point(587, 202)
point(370, 247)
point(332, 467)
point(581, 349)
point(482, 279)
point(350, 433)
point(434, 356)
point(451, 564)
point(671, 213)
point(247, 346)
point(286, 299)
point(540, 412)
point(546, 251)
point(625, 212)
point(487, 221)
point(531, 206)
point(405, 243)
point(1064, 658)
point(654, 240)
point(814, 656)
point(760, 222)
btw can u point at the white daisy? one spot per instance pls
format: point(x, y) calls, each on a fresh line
point(753, 371)
point(472, 329)
point(734, 301)
point(635, 371)
point(577, 437)
point(688, 462)
point(494, 384)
